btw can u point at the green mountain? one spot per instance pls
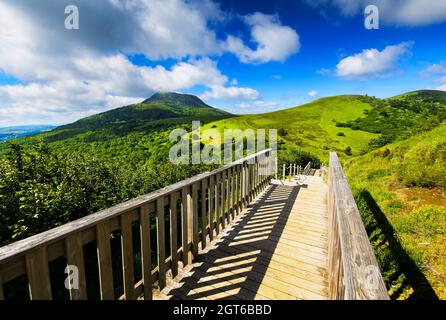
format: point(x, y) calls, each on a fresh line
point(159, 111)
point(426, 95)
point(393, 152)
point(347, 123)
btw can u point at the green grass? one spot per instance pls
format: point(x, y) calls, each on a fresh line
point(310, 127)
point(407, 179)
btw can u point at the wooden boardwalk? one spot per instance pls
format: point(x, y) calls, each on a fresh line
point(271, 239)
point(275, 249)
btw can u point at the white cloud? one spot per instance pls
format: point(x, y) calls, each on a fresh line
point(275, 42)
point(392, 12)
point(64, 75)
point(313, 93)
point(436, 70)
point(372, 63)
point(219, 92)
point(258, 105)
point(323, 72)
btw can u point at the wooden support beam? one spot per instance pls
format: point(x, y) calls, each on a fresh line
point(211, 212)
point(146, 252)
point(184, 225)
point(104, 261)
point(161, 241)
point(127, 255)
point(75, 257)
point(38, 274)
point(204, 191)
point(173, 212)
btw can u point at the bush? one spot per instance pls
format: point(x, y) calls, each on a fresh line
point(301, 158)
point(340, 134)
point(282, 132)
point(348, 151)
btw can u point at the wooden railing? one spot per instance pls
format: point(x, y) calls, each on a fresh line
point(293, 169)
point(201, 206)
point(353, 270)
point(307, 169)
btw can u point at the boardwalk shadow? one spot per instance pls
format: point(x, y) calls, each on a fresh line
point(422, 290)
point(236, 266)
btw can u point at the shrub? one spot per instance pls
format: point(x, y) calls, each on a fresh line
point(282, 132)
point(348, 151)
point(340, 134)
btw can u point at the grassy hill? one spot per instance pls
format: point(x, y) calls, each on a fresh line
point(136, 133)
point(401, 191)
point(311, 127)
point(393, 151)
point(430, 95)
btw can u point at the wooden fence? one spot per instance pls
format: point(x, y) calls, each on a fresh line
point(201, 206)
point(353, 270)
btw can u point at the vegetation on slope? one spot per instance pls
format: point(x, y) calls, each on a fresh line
point(311, 127)
point(393, 152)
point(400, 191)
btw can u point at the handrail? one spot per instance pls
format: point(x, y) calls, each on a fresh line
point(216, 196)
point(354, 273)
point(307, 169)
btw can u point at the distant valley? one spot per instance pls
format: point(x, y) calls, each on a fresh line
point(8, 133)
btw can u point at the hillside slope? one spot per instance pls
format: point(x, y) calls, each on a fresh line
point(404, 183)
point(159, 111)
point(311, 127)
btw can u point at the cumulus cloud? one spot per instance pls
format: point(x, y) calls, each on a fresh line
point(64, 75)
point(313, 93)
point(219, 92)
point(258, 105)
point(392, 12)
point(439, 72)
point(372, 63)
point(275, 42)
point(434, 70)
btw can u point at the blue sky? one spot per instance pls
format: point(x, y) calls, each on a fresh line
point(241, 56)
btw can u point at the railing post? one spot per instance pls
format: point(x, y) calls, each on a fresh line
point(204, 186)
point(75, 257)
point(184, 225)
point(211, 212)
point(38, 274)
point(146, 252)
point(104, 261)
point(161, 241)
point(173, 212)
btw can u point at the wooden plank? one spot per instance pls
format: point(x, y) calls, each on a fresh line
point(161, 242)
point(49, 237)
point(104, 261)
point(2, 294)
point(233, 182)
point(359, 269)
point(127, 256)
point(184, 225)
point(217, 204)
point(211, 212)
point(146, 252)
point(223, 190)
point(192, 211)
point(75, 257)
point(38, 274)
point(173, 201)
point(204, 191)
point(228, 195)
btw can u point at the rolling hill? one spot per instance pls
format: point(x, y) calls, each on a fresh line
point(393, 152)
point(311, 127)
point(155, 113)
